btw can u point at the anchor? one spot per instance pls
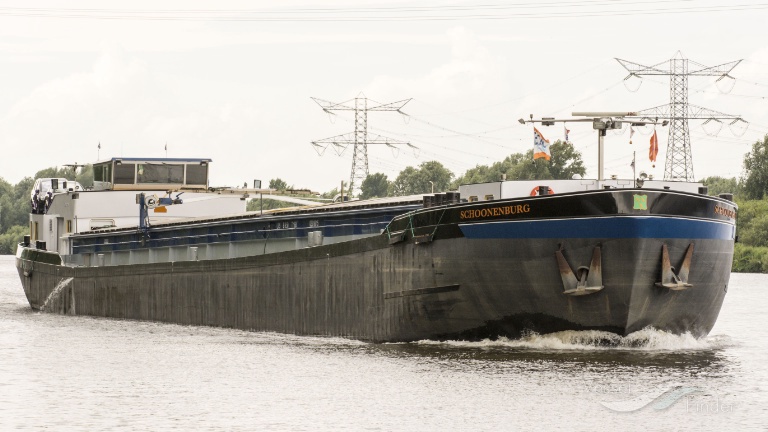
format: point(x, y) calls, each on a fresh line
point(590, 279)
point(28, 267)
point(669, 279)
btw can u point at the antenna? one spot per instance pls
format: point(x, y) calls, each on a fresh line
point(359, 138)
point(74, 167)
point(601, 122)
point(679, 162)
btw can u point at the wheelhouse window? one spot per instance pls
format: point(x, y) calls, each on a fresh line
point(165, 173)
point(102, 173)
point(197, 174)
point(125, 173)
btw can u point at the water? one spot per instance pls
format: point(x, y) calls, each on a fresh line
point(56, 291)
point(78, 373)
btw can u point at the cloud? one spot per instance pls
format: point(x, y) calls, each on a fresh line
point(122, 105)
point(470, 73)
point(54, 120)
point(466, 76)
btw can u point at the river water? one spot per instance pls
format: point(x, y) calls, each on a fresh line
point(79, 373)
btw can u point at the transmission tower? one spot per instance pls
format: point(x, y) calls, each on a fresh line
point(359, 138)
point(679, 162)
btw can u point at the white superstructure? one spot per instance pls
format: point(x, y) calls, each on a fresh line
point(61, 207)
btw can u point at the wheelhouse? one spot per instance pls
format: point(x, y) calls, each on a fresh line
point(150, 174)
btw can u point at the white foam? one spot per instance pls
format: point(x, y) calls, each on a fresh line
point(647, 339)
point(56, 291)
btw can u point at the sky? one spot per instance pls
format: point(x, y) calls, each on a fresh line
point(234, 80)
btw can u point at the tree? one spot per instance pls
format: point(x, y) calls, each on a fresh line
point(478, 174)
point(526, 168)
point(85, 176)
point(718, 185)
point(55, 172)
point(564, 163)
point(403, 183)
point(374, 186)
point(753, 222)
point(331, 194)
point(429, 176)
point(496, 172)
point(82, 175)
point(755, 178)
point(15, 203)
point(11, 238)
point(278, 184)
point(14, 213)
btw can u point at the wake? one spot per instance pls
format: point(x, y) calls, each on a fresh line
point(648, 339)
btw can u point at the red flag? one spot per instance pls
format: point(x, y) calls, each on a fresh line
point(654, 150)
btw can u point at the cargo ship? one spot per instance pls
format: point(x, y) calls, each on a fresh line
point(490, 260)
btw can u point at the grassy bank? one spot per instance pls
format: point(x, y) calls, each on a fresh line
point(750, 259)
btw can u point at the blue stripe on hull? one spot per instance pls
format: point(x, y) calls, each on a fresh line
point(603, 227)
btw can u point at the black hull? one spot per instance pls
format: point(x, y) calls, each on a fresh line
point(451, 284)
point(444, 290)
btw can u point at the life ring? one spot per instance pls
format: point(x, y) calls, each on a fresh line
point(535, 191)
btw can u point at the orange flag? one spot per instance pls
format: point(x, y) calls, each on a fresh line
point(540, 146)
point(654, 150)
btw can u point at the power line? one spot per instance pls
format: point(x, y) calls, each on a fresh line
point(679, 161)
point(420, 139)
point(515, 99)
point(400, 8)
point(359, 139)
point(566, 9)
point(590, 97)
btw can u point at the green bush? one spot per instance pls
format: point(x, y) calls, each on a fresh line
point(11, 238)
point(750, 259)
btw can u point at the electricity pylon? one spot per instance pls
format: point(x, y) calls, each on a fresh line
point(679, 162)
point(359, 138)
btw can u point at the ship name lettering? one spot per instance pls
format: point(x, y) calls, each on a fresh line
point(495, 211)
point(725, 212)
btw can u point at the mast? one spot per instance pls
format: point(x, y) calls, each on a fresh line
point(601, 122)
